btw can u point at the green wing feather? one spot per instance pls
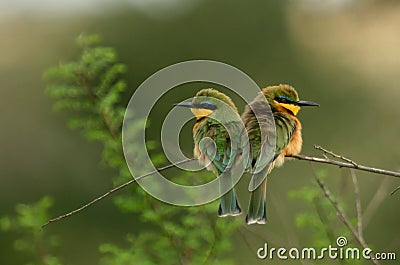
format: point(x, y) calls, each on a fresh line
point(222, 153)
point(284, 128)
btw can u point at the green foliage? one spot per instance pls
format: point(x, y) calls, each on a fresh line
point(91, 89)
point(32, 240)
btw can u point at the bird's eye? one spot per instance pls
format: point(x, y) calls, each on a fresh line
point(281, 99)
point(208, 105)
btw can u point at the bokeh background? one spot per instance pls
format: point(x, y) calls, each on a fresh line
point(343, 54)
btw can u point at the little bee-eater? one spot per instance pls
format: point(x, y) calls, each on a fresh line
point(218, 119)
point(285, 104)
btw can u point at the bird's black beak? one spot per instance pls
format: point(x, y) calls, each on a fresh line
point(185, 104)
point(306, 103)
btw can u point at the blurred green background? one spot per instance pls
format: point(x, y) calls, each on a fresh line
point(342, 54)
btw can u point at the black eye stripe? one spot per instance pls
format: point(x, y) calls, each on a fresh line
point(209, 106)
point(283, 99)
point(204, 106)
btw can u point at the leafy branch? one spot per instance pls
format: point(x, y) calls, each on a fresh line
point(91, 88)
point(37, 244)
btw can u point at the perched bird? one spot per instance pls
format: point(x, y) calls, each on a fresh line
point(218, 119)
point(285, 104)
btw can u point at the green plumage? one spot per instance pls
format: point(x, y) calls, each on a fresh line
point(285, 126)
point(222, 155)
point(224, 128)
point(221, 142)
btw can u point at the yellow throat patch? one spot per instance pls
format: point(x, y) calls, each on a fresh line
point(200, 113)
point(293, 108)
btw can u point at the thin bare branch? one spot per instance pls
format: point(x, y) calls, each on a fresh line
point(335, 155)
point(342, 215)
point(114, 190)
point(395, 190)
point(375, 202)
point(358, 204)
point(348, 163)
point(320, 210)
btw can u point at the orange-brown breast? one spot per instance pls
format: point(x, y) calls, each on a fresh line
point(296, 142)
point(294, 146)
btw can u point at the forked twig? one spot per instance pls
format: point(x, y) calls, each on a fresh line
point(345, 163)
point(343, 217)
point(335, 155)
